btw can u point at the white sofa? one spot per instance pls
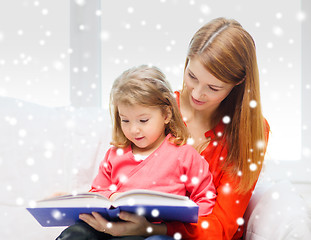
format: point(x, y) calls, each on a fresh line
point(45, 150)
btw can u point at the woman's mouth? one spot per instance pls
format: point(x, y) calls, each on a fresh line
point(197, 101)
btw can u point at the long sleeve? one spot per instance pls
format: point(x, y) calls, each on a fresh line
point(222, 223)
point(198, 180)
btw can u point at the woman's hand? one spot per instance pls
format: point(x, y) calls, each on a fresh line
point(133, 225)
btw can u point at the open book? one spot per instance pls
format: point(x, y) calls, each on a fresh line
point(155, 206)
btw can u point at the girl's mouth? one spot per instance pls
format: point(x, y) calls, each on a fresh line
point(197, 101)
point(139, 138)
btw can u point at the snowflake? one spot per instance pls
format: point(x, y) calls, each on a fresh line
point(275, 195)
point(279, 15)
point(19, 201)
point(177, 236)
point(30, 161)
point(226, 119)
point(190, 141)
point(226, 189)
point(56, 214)
point(278, 31)
point(113, 187)
point(130, 10)
point(80, 2)
point(155, 212)
point(131, 202)
point(252, 103)
point(301, 16)
point(205, 9)
point(35, 177)
point(205, 224)
point(140, 211)
point(210, 194)
point(240, 221)
point(195, 180)
point(183, 178)
point(253, 166)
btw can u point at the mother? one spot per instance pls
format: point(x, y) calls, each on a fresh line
point(220, 104)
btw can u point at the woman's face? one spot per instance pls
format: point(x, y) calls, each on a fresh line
point(205, 90)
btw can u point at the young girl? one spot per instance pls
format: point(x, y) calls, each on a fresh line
point(149, 150)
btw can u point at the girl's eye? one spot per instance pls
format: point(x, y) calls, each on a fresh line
point(144, 120)
point(191, 76)
point(124, 120)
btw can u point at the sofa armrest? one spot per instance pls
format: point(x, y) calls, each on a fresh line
point(276, 211)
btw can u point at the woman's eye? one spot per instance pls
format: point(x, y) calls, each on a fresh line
point(214, 89)
point(144, 120)
point(124, 120)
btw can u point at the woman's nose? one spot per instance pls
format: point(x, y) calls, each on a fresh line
point(197, 92)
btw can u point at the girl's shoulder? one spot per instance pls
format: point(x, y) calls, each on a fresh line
point(113, 150)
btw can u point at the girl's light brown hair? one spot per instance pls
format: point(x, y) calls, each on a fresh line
point(145, 86)
point(228, 52)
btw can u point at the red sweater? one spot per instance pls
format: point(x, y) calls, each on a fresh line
point(160, 171)
point(229, 207)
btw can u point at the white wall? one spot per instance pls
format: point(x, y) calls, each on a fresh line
point(50, 54)
point(158, 32)
point(35, 51)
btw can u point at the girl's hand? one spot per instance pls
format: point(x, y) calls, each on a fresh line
point(132, 225)
point(113, 196)
point(58, 194)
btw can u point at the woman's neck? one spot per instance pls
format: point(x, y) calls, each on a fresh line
point(203, 118)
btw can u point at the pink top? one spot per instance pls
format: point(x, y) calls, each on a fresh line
point(172, 169)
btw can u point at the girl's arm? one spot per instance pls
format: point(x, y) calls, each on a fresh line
point(102, 182)
point(199, 183)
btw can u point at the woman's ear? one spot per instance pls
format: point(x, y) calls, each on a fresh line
point(243, 79)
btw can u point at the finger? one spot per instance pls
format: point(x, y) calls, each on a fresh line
point(99, 218)
point(89, 219)
point(102, 223)
point(129, 217)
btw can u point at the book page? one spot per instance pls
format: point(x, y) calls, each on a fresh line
point(149, 197)
point(76, 200)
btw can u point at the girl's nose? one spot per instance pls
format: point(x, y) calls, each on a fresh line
point(134, 129)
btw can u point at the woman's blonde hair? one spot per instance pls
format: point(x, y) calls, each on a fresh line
point(228, 52)
point(145, 86)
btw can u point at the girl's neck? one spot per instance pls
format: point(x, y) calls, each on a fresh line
point(150, 149)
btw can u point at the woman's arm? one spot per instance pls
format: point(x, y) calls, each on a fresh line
point(222, 223)
point(132, 225)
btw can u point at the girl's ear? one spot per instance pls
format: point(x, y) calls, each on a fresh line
point(168, 115)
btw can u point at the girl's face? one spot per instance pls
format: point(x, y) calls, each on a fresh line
point(143, 126)
point(205, 90)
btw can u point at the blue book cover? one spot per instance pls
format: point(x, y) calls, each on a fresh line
point(155, 206)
